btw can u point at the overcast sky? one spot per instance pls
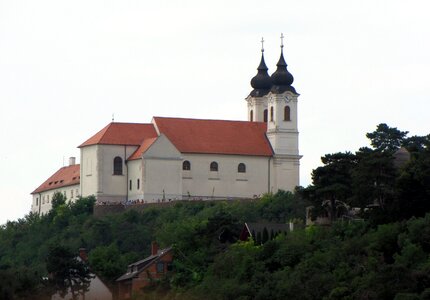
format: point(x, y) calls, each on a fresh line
point(67, 66)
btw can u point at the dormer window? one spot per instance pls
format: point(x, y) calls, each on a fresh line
point(271, 113)
point(265, 115)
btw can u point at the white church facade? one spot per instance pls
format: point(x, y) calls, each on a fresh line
point(180, 159)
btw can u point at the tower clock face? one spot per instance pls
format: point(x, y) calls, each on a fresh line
point(287, 99)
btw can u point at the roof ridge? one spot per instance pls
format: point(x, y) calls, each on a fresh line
point(197, 119)
point(137, 123)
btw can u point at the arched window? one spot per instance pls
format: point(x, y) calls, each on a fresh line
point(186, 165)
point(271, 113)
point(241, 168)
point(251, 115)
point(117, 166)
point(214, 166)
point(265, 115)
point(287, 113)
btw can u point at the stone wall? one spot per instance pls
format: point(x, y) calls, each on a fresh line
point(102, 210)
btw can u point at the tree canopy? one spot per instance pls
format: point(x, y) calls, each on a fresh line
point(374, 179)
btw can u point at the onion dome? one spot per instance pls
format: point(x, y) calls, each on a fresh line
point(261, 82)
point(282, 80)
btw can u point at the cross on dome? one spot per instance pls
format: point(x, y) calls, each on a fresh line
point(282, 40)
point(262, 44)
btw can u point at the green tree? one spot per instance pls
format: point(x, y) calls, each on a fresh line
point(413, 188)
point(109, 262)
point(332, 184)
point(67, 273)
point(374, 178)
point(386, 138)
point(58, 199)
point(281, 206)
point(417, 143)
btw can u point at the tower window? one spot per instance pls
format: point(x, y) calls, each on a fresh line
point(138, 184)
point(186, 165)
point(251, 115)
point(131, 184)
point(117, 166)
point(287, 113)
point(265, 115)
point(241, 168)
point(271, 114)
point(214, 166)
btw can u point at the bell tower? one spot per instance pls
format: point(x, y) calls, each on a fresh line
point(282, 110)
point(274, 100)
point(257, 99)
point(282, 130)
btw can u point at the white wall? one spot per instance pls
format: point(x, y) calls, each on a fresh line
point(257, 105)
point(283, 135)
point(97, 176)
point(285, 173)
point(89, 170)
point(135, 174)
point(162, 165)
point(227, 182)
point(42, 202)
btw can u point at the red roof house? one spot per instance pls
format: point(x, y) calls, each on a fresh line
point(145, 272)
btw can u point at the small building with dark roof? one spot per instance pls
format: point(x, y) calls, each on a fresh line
point(145, 272)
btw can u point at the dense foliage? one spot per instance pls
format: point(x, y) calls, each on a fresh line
point(387, 184)
point(346, 261)
point(114, 241)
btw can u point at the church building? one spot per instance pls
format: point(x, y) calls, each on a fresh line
point(184, 159)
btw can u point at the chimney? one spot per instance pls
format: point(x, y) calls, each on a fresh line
point(154, 248)
point(72, 161)
point(83, 254)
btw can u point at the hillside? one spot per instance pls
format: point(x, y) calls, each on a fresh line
point(116, 240)
point(380, 253)
point(346, 261)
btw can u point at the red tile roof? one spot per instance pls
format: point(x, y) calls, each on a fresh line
point(122, 134)
point(216, 136)
point(142, 149)
point(65, 176)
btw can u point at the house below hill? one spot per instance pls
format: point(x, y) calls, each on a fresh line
point(97, 289)
point(145, 272)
